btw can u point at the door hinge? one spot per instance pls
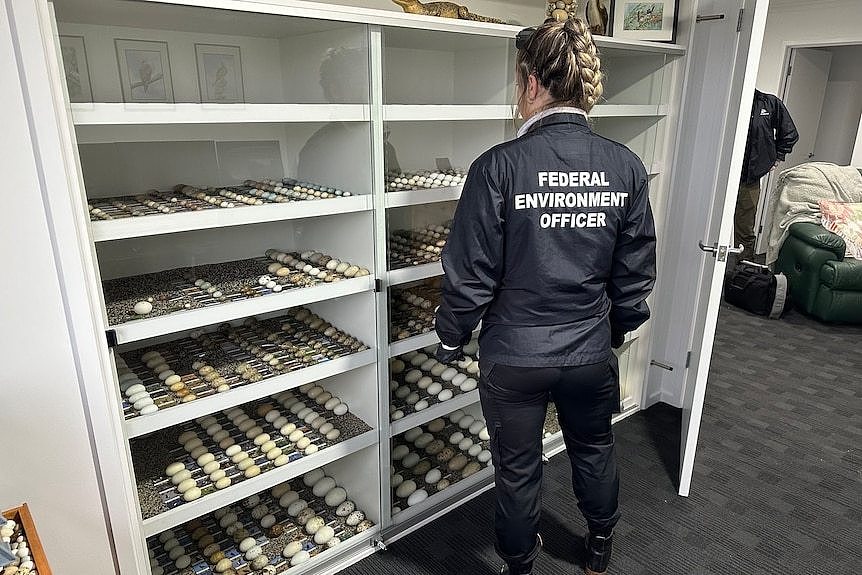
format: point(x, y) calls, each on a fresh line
point(688, 359)
point(111, 337)
point(739, 20)
point(759, 230)
point(789, 69)
point(378, 285)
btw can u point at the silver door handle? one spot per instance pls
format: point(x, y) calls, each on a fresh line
point(738, 250)
point(708, 249)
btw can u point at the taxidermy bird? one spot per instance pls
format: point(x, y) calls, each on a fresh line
point(597, 16)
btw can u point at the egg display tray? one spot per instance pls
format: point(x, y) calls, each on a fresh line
point(151, 457)
point(402, 406)
point(403, 181)
point(191, 199)
point(175, 290)
point(400, 503)
point(412, 309)
point(18, 529)
point(230, 349)
point(272, 540)
point(409, 248)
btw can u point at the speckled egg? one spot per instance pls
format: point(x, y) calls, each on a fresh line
point(355, 518)
point(345, 509)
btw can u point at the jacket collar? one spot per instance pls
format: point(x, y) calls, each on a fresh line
point(551, 116)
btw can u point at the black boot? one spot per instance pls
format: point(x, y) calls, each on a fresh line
point(598, 553)
point(523, 568)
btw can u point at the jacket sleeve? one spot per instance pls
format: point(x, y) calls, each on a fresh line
point(633, 271)
point(472, 257)
point(786, 135)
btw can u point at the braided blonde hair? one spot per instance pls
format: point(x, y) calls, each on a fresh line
point(565, 60)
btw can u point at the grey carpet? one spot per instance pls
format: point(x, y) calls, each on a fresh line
point(777, 486)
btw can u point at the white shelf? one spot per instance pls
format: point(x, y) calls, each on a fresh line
point(412, 343)
point(137, 330)
point(106, 114)
point(135, 227)
point(143, 424)
point(437, 410)
point(413, 273)
point(480, 480)
point(397, 18)
point(456, 112)
point(422, 196)
point(211, 502)
point(628, 111)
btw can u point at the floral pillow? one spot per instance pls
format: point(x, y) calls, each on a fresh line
point(845, 220)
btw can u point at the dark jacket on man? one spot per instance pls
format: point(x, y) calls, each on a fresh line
point(771, 136)
point(552, 248)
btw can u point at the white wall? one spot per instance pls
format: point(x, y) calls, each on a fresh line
point(48, 459)
point(842, 107)
point(804, 21)
point(856, 160)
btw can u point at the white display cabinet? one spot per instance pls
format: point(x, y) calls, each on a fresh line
point(286, 94)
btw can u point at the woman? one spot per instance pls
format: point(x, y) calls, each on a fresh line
point(553, 248)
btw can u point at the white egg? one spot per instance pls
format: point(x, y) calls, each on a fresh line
point(469, 385)
point(417, 496)
point(477, 426)
point(433, 476)
point(288, 498)
point(406, 488)
point(456, 415)
point(335, 497)
point(424, 383)
point(421, 404)
point(399, 451)
point(435, 388)
point(448, 374)
point(411, 434)
point(459, 379)
point(474, 450)
point(484, 456)
point(143, 307)
point(466, 421)
point(324, 535)
point(438, 369)
point(413, 376)
point(322, 487)
point(423, 440)
point(456, 438)
point(292, 549)
point(340, 409)
point(410, 460)
point(300, 557)
point(444, 395)
point(428, 364)
point(484, 435)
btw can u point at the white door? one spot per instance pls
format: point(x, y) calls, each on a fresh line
point(804, 92)
point(732, 46)
point(803, 95)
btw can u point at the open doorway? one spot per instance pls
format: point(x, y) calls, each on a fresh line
point(822, 89)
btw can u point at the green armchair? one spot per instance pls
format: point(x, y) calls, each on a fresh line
point(822, 283)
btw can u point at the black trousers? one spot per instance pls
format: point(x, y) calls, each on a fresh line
point(514, 402)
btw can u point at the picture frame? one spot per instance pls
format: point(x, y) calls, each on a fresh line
point(145, 71)
point(76, 69)
point(645, 20)
point(220, 73)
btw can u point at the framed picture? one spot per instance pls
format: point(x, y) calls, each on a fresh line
point(655, 20)
point(75, 68)
point(219, 73)
point(145, 71)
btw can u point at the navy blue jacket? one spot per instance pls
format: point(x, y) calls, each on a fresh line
point(552, 248)
point(771, 136)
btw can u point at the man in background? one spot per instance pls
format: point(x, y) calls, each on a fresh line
point(771, 136)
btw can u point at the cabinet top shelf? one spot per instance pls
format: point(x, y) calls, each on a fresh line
point(337, 12)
